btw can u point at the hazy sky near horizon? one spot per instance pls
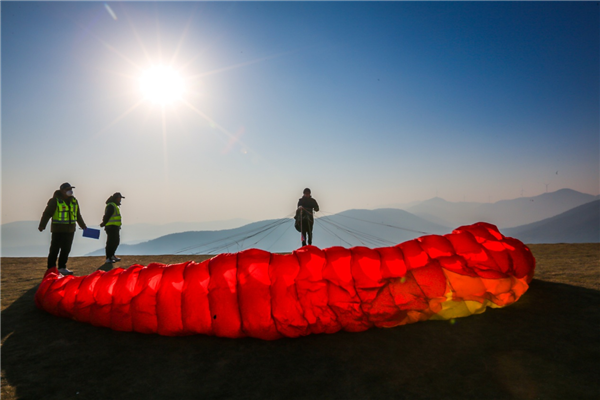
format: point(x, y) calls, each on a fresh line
point(368, 104)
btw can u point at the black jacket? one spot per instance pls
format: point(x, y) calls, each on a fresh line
point(308, 203)
point(49, 212)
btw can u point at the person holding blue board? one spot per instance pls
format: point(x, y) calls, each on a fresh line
point(111, 221)
point(65, 212)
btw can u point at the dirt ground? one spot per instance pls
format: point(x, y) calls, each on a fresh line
point(545, 346)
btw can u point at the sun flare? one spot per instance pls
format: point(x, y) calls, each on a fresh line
point(162, 85)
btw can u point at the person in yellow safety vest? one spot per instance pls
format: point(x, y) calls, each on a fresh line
point(111, 221)
point(65, 212)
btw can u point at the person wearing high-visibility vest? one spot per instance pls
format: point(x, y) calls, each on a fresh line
point(111, 221)
point(65, 212)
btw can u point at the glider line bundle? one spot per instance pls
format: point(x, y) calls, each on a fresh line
point(237, 239)
point(268, 296)
point(260, 233)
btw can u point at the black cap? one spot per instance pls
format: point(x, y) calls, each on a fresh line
point(118, 194)
point(66, 186)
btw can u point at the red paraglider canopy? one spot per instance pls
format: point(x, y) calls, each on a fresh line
point(264, 295)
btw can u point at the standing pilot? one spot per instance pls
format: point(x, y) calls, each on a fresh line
point(307, 206)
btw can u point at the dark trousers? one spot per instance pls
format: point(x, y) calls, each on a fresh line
point(61, 243)
point(307, 228)
point(113, 238)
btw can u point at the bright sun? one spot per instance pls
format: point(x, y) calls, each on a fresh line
point(161, 85)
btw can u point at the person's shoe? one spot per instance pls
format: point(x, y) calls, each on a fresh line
point(65, 271)
point(115, 259)
point(108, 261)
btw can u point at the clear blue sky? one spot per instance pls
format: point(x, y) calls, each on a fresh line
point(368, 104)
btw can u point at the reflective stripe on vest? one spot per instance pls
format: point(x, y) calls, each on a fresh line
point(65, 213)
point(115, 218)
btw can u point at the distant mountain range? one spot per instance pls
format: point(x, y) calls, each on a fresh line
point(371, 228)
point(578, 225)
point(561, 216)
point(137, 233)
point(22, 238)
point(504, 213)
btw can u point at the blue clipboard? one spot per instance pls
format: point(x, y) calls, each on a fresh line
point(91, 233)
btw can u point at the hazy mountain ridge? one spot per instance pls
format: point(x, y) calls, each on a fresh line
point(137, 233)
point(354, 227)
point(578, 225)
point(22, 238)
point(504, 213)
point(371, 228)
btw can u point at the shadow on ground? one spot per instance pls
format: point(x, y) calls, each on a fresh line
point(546, 346)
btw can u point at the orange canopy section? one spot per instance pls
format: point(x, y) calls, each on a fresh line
point(268, 296)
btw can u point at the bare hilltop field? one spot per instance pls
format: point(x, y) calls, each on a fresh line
point(545, 346)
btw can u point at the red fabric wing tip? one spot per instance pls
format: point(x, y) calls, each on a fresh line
point(49, 271)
